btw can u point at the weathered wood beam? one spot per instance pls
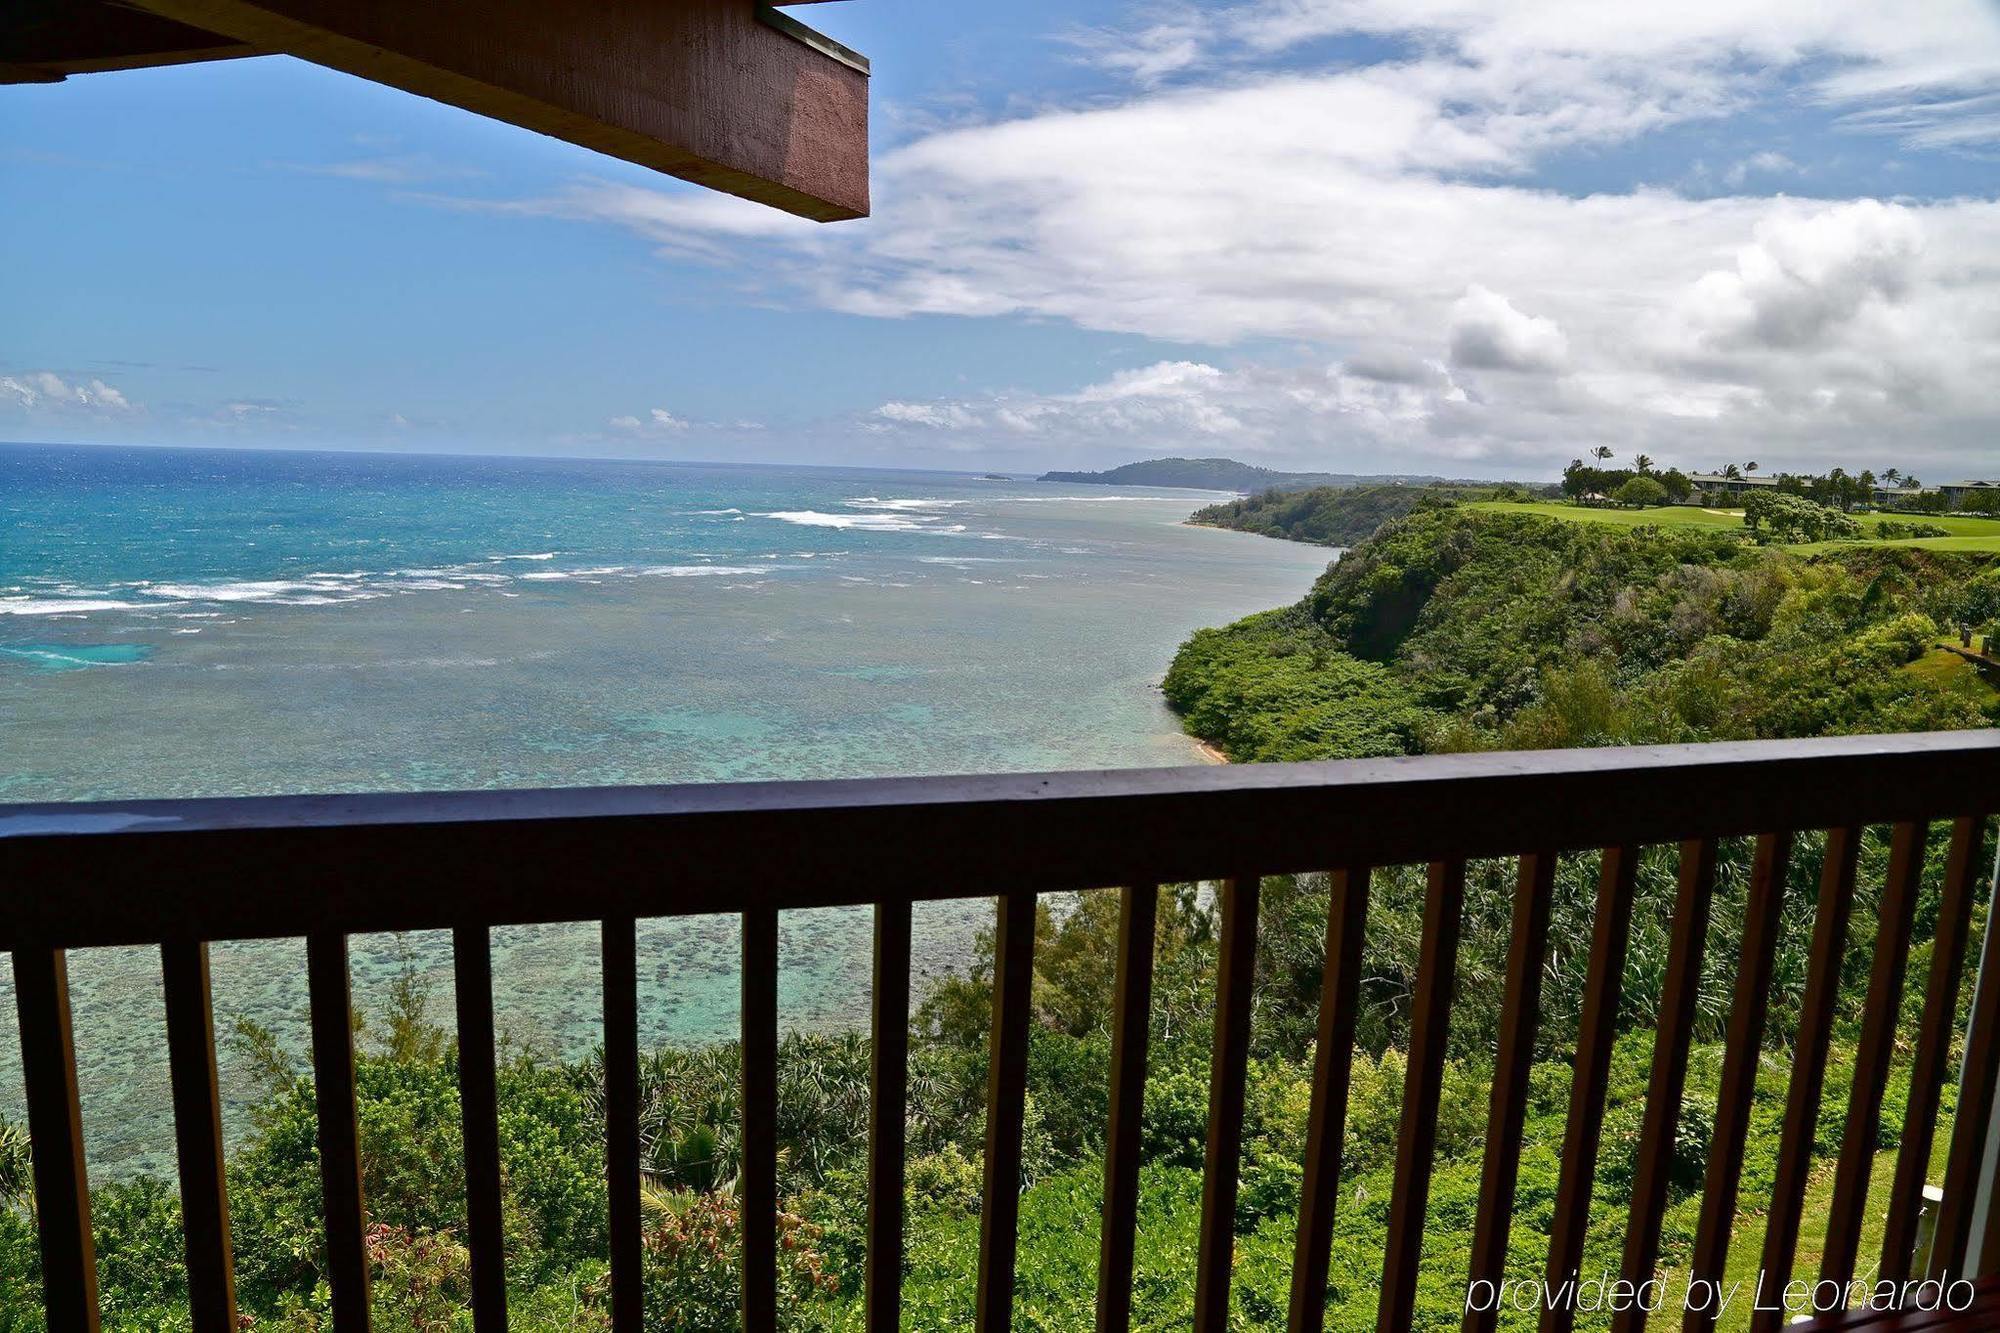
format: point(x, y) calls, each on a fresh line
point(728, 94)
point(45, 41)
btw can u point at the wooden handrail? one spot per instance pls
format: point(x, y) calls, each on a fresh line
point(617, 855)
point(518, 857)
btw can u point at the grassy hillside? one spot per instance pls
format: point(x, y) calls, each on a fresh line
point(1969, 534)
point(1483, 627)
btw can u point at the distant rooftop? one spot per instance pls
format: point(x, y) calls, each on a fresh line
point(1718, 479)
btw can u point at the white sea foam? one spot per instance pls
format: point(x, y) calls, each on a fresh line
point(538, 555)
point(702, 571)
point(902, 506)
point(60, 606)
point(249, 590)
point(718, 512)
point(813, 518)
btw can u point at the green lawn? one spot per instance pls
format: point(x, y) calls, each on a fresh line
point(1968, 534)
point(1746, 1246)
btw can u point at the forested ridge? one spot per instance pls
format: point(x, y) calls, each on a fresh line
point(1451, 629)
point(1334, 515)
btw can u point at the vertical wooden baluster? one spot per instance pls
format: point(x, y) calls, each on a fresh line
point(1520, 1012)
point(1744, 1048)
point(1872, 1053)
point(1131, 1029)
point(758, 1188)
point(1006, 1102)
point(1672, 1034)
point(55, 1136)
point(479, 1113)
point(1829, 948)
point(339, 1133)
point(1416, 1143)
point(621, 1121)
point(1597, 1027)
point(198, 1135)
point(1333, 1063)
point(1236, 973)
point(1977, 1082)
point(889, 1090)
point(1927, 1071)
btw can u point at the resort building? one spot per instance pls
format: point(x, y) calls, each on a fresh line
point(1716, 481)
point(1956, 493)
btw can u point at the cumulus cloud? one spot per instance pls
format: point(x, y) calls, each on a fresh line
point(46, 391)
point(1391, 218)
point(1488, 333)
point(1805, 276)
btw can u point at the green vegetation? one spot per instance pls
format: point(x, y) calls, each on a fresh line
point(1945, 532)
point(1469, 629)
point(1777, 519)
point(1640, 493)
point(1336, 515)
point(1599, 485)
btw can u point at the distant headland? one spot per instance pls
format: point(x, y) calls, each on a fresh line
point(1226, 474)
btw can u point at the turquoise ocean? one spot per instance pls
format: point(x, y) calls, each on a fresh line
point(207, 622)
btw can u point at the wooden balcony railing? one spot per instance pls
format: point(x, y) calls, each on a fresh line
point(178, 874)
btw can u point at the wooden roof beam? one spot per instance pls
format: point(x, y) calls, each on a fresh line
point(728, 94)
point(45, 41)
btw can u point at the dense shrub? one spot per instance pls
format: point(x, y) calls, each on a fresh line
point(1779, 519)
point(1640, 493)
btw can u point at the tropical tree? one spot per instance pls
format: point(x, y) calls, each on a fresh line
point(1640, 493)
point(1644, 462)
point(1890, 475)
point(1602, 453)
point(1750, 467)
point(1733, 472)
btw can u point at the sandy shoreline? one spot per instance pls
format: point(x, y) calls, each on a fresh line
point(1209, 754)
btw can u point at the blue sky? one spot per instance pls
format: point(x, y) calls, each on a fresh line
point(1460, 236)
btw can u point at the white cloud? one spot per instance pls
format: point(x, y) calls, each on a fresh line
point(1770, 162)
point(935, 416)
point(1803, 277)
point(46, 391)
point(1488, 333)
point(1387, 217)
point(657, 421)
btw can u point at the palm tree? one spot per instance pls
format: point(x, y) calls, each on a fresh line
point(1602, 453)
point(1891, 475)
point(1733, 472)
point(1644, 463)
point(1749, 467)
